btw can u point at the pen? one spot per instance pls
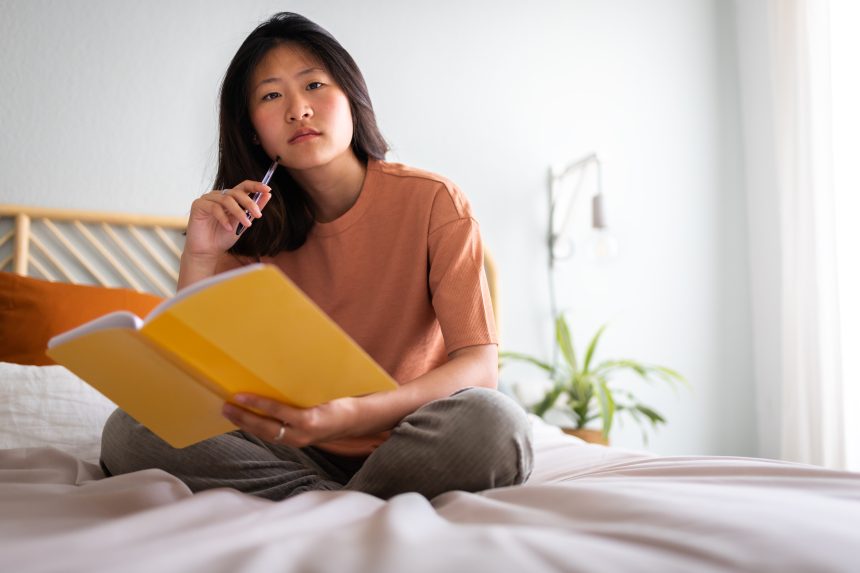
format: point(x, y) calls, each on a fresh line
point(256, 195)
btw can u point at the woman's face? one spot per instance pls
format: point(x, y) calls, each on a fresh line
point(297, 110)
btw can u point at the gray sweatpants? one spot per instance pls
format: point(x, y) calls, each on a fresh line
point(473, 440)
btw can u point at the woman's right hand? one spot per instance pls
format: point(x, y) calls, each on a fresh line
point(215, 215)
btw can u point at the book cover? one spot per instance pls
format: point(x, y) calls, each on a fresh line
point(249, 330)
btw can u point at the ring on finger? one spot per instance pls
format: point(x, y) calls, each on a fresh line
point(224, 191)
point(280, 435)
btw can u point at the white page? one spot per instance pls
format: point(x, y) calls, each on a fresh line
point(118, 319)
point(198, 286)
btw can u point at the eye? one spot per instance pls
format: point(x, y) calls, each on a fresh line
point(270, 96)
point(314, 86)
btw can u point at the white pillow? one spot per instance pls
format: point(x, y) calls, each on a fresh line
point(50, 406)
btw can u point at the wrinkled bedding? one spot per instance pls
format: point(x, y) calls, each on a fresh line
point(585, 508)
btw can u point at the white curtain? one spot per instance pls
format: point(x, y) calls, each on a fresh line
point(783, 49)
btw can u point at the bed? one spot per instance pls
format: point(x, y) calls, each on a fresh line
point(584, 508)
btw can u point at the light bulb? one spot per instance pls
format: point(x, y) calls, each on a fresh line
point(602, 245)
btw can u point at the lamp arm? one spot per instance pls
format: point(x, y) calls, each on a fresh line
point(554, 179)
point(581, 162)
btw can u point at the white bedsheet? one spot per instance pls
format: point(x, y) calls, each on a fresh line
point(586, 508)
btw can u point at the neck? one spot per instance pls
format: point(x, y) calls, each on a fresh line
point(334, 187)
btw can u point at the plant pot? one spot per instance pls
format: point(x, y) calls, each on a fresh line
point(587, 435)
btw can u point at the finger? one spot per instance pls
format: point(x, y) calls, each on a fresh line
point(246, 187)
point(243, 417)
point(264, 427)
point(264, 199)
point(216, 195)
point(246, 419)
point(229, 200)
point(249, 186)
point(271, 408)
point(251, 206)
point(221, 216)
point(210, 205)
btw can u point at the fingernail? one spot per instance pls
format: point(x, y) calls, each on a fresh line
point(241, 399)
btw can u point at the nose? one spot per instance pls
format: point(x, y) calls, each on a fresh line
point(298, 111)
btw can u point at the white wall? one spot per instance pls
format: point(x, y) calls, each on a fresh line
point(111, 105)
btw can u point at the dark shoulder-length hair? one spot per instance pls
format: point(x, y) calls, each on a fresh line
point(289, 214)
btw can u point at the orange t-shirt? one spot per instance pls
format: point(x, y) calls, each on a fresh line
point(401, 272)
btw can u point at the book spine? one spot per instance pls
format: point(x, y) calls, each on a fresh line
point(208, 363)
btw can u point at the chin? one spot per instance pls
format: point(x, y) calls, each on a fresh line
point(312, 160)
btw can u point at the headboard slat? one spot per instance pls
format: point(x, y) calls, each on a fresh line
point(115, 264)
point(22, 243)
point(75, 252)
point(5, 239)
point(133, 260)
point(151, 252)
point(171, 246)
point(46, 252)
point(42, 269)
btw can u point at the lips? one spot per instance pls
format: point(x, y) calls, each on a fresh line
point(302, 134)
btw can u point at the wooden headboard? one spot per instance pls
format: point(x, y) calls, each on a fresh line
point(90, 247)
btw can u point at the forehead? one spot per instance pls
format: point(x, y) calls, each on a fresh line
point(285, 59)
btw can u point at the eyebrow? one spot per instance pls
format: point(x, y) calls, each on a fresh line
point(274, 79)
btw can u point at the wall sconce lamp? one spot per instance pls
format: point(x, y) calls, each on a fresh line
point(562, 205)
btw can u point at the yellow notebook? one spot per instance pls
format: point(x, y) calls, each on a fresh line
point(248, 330)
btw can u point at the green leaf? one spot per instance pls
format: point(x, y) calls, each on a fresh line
point(526, 358)
point(548, 401)
point(651, 414)
point(607, 366)
point(670, 376)
point(575, 419)
point(634, 413)
point(669, 373)
point(575, 404)
point(565, 342)
point(637, 367)
point(583, 389)
point(647, 372)
point(607, 406)
point(590, 352)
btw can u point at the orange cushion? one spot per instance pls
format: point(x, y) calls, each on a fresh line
point(33, 310)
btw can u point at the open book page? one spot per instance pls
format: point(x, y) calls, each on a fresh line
point(118, 319)
point(286, 349)
point(199, 286)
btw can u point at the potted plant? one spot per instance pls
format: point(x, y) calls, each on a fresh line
point(583, 392)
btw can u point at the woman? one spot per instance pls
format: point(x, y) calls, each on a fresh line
point(391, 253)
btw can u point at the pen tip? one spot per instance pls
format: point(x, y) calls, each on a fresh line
point(277, 158)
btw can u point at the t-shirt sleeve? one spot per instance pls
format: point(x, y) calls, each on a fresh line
point(458, 284)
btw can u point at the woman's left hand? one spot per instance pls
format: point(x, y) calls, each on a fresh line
point(302, 426)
